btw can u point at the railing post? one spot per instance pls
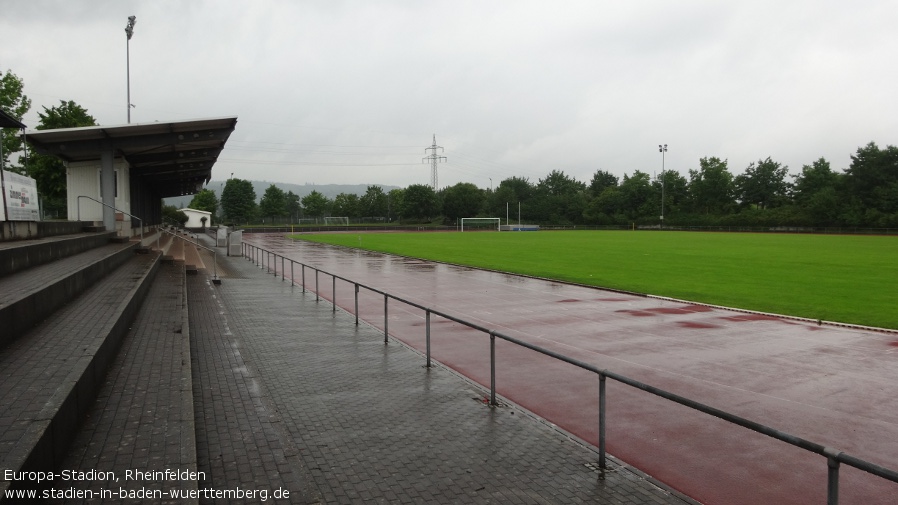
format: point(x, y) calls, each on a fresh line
point(386, 320)
point(356, 304)
point(303, 277)
point(602, 421)
point(316, 284)
point(427, 325)
point(492, 369)
point(292, 279)
point(283, 270)
point(334, 294)
point(832, 481)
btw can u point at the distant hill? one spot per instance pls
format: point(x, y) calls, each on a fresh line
point(328, 190)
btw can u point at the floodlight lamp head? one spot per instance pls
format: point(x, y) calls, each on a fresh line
point(129, 30)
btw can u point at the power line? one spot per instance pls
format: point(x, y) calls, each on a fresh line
point(312, 163)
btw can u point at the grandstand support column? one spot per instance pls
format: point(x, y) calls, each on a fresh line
point(107, 187)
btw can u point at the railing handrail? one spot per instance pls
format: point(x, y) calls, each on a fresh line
point(197, 243)
point(113, 208)
point(834, 456)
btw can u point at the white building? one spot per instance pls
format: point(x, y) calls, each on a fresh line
point(195, 218)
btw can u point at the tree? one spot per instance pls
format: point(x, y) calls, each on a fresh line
point(763, 184)
point(49, 172)
point(872, 180)
point(205, 200)
point(419, 201)
point(394, 203)
point(14, 102)
point(346, 204)
point(520, 187)
point(813, 179)
point(606, 208)
point(557, 183)
point(816, 192)
point(174, 216)
point(315, 204)
point(509, 193)
point(675, 192)
point(601, 180)
point(638, 196)
point(559, 198)
point(273, 203)
point(65, 115)
point(294, 207)
point(462, 200)
point(238, 200)
point(373, 203)
point(711, 187)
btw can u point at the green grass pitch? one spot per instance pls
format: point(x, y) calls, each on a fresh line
point(851, 279)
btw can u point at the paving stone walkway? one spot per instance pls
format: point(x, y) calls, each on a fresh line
point(292, 395)
point(143, 416)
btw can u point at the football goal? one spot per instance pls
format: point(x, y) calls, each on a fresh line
point(481, 223)
point(336, 220)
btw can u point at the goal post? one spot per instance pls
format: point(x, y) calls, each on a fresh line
point(481, 223)
point(336, 220)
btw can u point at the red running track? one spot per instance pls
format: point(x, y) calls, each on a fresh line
point(831, 385)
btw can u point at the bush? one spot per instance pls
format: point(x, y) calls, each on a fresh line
point(172, 215)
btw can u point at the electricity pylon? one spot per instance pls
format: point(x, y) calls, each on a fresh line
point(434, 159)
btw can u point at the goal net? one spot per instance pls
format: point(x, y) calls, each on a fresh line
point(480, 223)
point(336, 220)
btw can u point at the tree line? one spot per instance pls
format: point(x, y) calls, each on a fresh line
point(764, 194)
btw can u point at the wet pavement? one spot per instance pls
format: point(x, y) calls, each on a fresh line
point(293, 395)
point(828, 384)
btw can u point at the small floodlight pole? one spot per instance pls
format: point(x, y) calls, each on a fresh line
point(662, 149)
point(434, 158)
point(129, 31)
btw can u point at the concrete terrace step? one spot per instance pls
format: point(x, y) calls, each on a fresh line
point(143, 418)
point(50, 375)
point(29, 296)
point(16, 256)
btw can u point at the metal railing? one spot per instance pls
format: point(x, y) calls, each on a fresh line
point(834, 457)
point(196, 243)
point(113, 208)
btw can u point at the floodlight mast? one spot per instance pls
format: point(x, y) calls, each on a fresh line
point(129, 32)
point(662, 149)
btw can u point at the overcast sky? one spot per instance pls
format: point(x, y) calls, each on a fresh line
point(353, 92)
